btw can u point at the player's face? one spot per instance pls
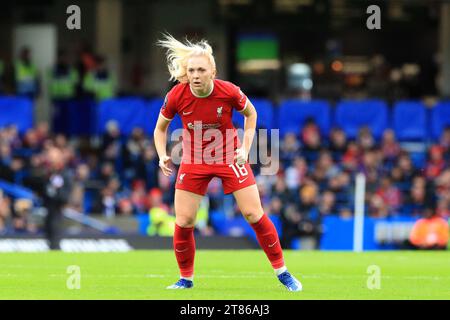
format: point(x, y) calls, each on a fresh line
point(200, 72)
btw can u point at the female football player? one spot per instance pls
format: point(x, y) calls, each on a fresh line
point(211, 148)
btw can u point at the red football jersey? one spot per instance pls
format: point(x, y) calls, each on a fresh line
point(208, 132)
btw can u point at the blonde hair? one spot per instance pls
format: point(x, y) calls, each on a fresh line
point(178, 54)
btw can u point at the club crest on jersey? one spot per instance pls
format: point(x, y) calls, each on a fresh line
point(182, 177)
point(219, 112)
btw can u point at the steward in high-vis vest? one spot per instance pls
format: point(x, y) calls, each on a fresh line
point(63, 89)
point(63, 79)
point(26, 75)
point(100, 82)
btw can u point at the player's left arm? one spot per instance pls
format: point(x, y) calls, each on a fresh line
point(250, 114)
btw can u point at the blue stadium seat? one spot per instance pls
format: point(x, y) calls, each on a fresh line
point(17, 111)
point(410, 121)
point(353, 115)
point(440, 118)
point(265, 111)
point(155, 107)
point(128, 112)
point(293, 114)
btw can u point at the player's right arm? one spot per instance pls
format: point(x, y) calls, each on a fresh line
point(160, 136)
point(168, 111)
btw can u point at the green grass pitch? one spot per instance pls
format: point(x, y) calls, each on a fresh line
point(225, 274)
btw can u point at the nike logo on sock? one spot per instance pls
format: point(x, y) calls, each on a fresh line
point(271, 245)
point(184, 250)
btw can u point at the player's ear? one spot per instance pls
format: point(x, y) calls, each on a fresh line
point(214, 73)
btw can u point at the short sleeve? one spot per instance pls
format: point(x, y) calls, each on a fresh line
point(168, 109)
point(238, 98)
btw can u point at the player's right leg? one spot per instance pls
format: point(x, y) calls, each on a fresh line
point(189, 192)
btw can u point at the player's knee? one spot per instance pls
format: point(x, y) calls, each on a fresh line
point(252, 216)
point(185, 221)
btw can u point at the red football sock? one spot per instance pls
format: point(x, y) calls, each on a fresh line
point(268, 240)
point(184, 246)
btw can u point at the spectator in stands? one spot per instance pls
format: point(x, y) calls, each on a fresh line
point(365, 139)
point(327, 203)
point(390, 147)
point(125, 207)
point(138, 196)
point(436, 162)
point(404, 172)
point(341, 185)
point(148, 167)
point(5, 161)
point(21, 213)
point(443, 208)
point(31, 142)
point(390, 194)
point(325, 169)
point(289, 149)
point(290, 219)
point(5, 212)
point(132, 153)
point(280, 190)
point(107, 172)
point(310, 222)
point(109, 203)
point(78, 194)
point(444, 142)
point(111, 140)
point(42, 133)
point(338, 143)
point(311, 139)
point(26, 77)
point(442, 189)
point(296, 173)
point(351, 157)
point(371, 166)
point(416, 202)
point(377, 207)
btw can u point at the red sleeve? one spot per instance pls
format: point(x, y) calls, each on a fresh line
point(238, 98)
point(169, 107)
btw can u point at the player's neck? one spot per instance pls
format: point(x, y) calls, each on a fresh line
point(203, 93)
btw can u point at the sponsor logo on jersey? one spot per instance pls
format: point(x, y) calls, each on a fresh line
point(199, 125)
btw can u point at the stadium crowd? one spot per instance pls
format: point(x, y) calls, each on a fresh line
point(120, 174)
point(315, 178)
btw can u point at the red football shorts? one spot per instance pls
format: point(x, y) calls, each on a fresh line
point(195, 177)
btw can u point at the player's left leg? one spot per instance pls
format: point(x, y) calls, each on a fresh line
point(249, 204)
